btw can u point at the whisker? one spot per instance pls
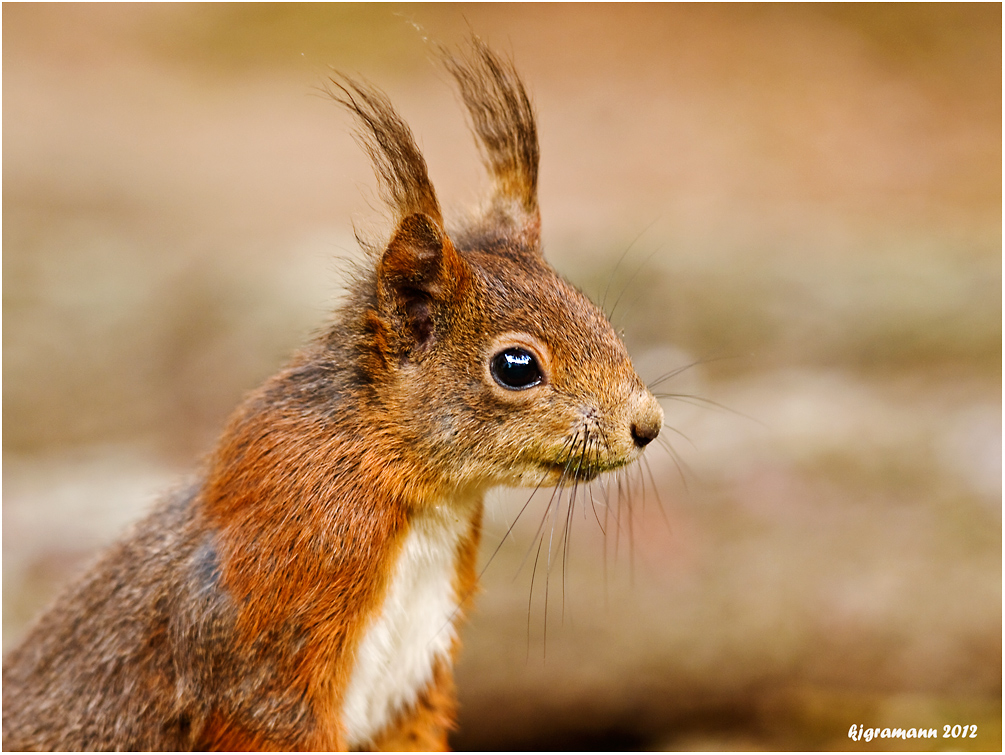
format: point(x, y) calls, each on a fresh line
point(569, 446)
point(622, 513)
point(547, 573)
point(563, 535)
point(593, 506)
point(530, 599)
point(631, 541)
point(539, 537)
point(678, 370)
point(603, 299)
point(567, 467)
point(656, 492)
point(678, 462)
point(673, 373)
point(564, 546)
point(618, 496)
point(566, 535)
point(509, 530)
point(637, 469)
point(605, 529)
point(674, 430)
point(687, 398)
point(632, 279)
point(540, 527)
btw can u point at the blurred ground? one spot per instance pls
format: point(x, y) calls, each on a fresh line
point(804, 199)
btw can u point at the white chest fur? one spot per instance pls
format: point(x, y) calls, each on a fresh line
point(414, 627)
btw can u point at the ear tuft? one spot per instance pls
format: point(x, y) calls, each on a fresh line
point(502, 118)
point(399, 165)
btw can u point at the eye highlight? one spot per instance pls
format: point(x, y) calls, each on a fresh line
point(516, 369)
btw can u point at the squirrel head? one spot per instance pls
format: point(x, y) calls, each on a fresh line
point(487, 364)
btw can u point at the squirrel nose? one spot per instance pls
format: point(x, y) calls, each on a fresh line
point(647, 423)
point(643, 435)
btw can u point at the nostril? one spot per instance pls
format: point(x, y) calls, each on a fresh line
point(644, 434)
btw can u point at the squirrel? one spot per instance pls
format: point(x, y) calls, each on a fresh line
point(306, 591)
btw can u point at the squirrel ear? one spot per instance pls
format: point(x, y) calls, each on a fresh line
point(419, 273)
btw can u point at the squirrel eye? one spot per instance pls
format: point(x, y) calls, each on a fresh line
point(516, 369)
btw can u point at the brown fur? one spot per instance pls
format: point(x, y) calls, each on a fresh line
point(230, 617)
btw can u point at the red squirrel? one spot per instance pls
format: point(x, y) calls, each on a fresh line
point(305, 593)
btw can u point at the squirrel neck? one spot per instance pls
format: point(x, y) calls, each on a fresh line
point(311, 498)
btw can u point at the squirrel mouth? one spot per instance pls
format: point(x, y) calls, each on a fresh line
point(575, 471)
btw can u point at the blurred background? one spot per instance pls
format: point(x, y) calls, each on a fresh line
point(801, 202)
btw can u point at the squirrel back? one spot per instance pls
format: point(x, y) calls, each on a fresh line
point(306, 591)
